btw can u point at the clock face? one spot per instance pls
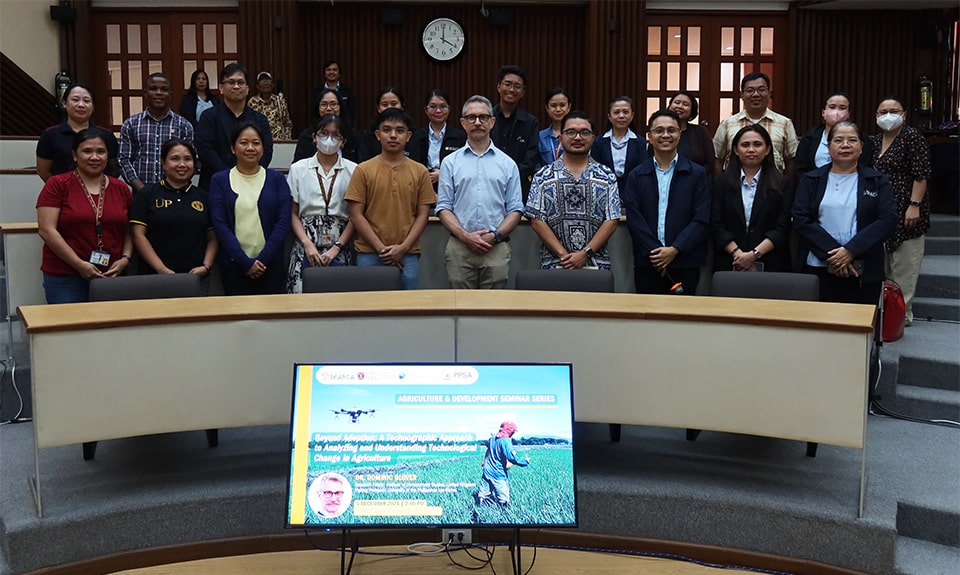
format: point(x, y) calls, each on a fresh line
point(443, 39)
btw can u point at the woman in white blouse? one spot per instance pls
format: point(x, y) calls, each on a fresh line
point(320, 217)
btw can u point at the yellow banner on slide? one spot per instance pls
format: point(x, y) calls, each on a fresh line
point(301, 453)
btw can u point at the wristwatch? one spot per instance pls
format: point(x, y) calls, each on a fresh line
point(497, 236)
point(756, 254)
point(589, 250)
point(914, 203)
point(339, 244)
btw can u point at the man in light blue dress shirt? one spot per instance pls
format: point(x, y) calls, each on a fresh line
point(479, 202)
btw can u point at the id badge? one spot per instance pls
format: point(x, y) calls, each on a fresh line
point(326, 240)
point(100, 258)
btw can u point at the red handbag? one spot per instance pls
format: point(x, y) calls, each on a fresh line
point(894, 311)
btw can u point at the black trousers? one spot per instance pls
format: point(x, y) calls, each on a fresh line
point(236, 282)
point(846, 290)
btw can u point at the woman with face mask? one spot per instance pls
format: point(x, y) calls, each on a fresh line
point(901, 152)
point(813, 150)
point(320, 218)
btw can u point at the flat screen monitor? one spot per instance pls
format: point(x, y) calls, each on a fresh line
point(376, 445)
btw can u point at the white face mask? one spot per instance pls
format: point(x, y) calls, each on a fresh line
point(889, 121)
point(327, 145)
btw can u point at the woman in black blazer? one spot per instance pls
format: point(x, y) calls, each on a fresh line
point(620, 141)
point(751, 207)
point(199, 97)
point(437, 108)
point(843, 213)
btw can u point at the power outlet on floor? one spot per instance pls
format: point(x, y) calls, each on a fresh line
point(457, 536)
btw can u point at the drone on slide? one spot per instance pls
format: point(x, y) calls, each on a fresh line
point(353, 413)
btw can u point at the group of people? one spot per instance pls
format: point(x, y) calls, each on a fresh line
point(364, 198)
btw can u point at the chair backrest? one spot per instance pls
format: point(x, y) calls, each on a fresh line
point(351, 278)
point(766, 285)
point(152, 286)
point(565, 280)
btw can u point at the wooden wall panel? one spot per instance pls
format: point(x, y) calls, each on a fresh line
point(616, 51)
point(549, 41)
point(868, 54)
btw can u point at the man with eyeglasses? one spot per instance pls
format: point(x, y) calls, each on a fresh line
point(216, 124)
point(755, 94)
point(667, 203)
point(332, 496)
point(574, 204)
point(516, 131)
point(479, 202)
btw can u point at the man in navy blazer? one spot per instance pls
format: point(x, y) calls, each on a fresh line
point(667, 204)
point(215, 126)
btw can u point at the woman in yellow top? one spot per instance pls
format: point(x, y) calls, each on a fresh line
point(250, 208)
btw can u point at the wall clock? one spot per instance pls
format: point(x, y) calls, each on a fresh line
point(443, 39)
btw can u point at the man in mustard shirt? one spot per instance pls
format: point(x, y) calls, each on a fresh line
point(390, 197)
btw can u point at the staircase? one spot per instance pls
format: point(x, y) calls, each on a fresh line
point(920, 378)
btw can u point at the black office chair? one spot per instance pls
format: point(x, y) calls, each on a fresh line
point(351, 278)
point(597, 281)
point(600, 281)
point(153, 286)
point(765, 285)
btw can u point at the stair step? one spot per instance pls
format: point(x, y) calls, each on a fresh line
point(941, 246)
point(924, 403)
point(939, 277)
point(934, 525)
point(917, 557)
point(925, 308)
point(942, 225)
point(930, 373)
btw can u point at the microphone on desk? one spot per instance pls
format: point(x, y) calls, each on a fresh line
point(676, 288)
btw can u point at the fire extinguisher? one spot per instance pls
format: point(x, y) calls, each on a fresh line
point(926, 96)
point(62, 82)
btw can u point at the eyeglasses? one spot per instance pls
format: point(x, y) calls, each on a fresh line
point(751, 91)
point(571, 133)
point(328, 105)
point(438, 107)
point(853, 140)
point(329, 494)
point(337, 137)
point(511, 86)
point(472, 118)
point(237, 83)
point(661, 131)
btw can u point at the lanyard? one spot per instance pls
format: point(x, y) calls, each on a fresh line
point(97, 207)
point(327, 196)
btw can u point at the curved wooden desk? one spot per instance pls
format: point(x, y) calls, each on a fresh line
point(792, 370)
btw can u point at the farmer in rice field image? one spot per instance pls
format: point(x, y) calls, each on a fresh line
point(500, 456)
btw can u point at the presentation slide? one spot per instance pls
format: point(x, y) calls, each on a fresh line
point(416, 444)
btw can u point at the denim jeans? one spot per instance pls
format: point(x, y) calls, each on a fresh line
point(66, 289)
point(410, 274)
